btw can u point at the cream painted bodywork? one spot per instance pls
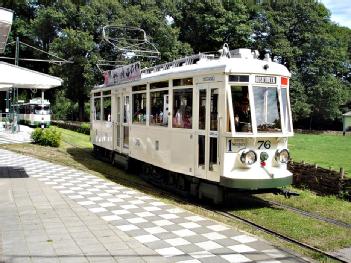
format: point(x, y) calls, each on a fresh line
point(176, 149)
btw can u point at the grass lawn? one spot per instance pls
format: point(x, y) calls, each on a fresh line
point(325, 150)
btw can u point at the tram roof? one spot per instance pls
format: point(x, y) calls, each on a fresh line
point(11, 75)
point(226, 65)
point(207, 66)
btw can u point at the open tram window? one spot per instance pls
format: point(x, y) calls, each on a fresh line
point(182, 108)
point(159, 108)
point(97, 109)
point(241, 106)
point(267, 109)
point(106, 102)
point(139, 108)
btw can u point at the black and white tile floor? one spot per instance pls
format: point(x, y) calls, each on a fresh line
point(172, 232)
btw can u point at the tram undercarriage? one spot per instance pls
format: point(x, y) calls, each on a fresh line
point(182, 184)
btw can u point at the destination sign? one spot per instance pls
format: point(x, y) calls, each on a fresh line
point(122, 74)
point(265, 79)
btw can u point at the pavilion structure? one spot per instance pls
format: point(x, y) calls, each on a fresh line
point(13, 77)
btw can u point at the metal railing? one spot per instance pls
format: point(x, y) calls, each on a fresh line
point(9, 123)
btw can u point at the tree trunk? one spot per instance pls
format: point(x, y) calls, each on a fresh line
point(81, 109)
point(310, 122)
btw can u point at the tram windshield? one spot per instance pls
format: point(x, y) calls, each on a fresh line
point(265, 104)
point(42, 109)
point(241, 107)
point(267, 109)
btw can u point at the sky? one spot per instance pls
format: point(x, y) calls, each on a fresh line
point(340, 11)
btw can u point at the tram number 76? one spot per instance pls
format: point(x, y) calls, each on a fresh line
point(265, 144)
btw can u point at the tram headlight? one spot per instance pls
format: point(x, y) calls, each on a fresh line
point(282, 156)
point(248, 157)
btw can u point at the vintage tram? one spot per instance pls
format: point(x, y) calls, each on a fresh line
point(202, 124)
point(36, 112)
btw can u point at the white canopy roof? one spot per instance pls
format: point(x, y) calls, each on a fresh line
point(24, 78)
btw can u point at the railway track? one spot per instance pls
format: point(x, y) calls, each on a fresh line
point(309, 214)
point(280, 236)
point(298, 211)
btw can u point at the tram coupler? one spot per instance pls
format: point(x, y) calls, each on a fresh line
point(285, 192)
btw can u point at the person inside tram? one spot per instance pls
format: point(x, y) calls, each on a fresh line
point(242, 116)
point(187, 120)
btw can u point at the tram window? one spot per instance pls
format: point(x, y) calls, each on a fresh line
point(241, 106)
point(182, 108)
point(213, 153)
point(97, 109)
point(214, 110)
point(182, 82)
point(106, 102)
point(31, 110)
point(139, 108)
point(201, 152)
point(125, 137)
point(267, 109)
point(159, 108)
point(286, 112)
point(126, 110)
point(159, 85)
point(238, 78)
point(139, 87)
point(202, 109)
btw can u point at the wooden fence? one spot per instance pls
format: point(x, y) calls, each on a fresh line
point(320, 180)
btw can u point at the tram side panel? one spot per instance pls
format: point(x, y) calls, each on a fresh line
point(171, 149)
point(101, 134)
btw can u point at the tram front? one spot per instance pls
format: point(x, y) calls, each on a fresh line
point(258, 126)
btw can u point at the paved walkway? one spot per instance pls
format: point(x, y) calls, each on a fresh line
point(59, 214)
point(7, 137)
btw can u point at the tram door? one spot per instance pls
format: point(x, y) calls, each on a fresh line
point(121, 131)
point(125, 124)
point(118, 124)
point(207, 132)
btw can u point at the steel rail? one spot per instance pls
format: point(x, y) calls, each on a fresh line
point(309, 214)
point(281, 236)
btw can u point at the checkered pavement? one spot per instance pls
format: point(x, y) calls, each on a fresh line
point(5, 140)
point(172, 232)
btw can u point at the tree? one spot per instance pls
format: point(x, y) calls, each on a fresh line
point(207, 25)
point(301, 36)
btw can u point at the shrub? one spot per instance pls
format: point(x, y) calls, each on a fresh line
point(47, 137)
point(84, 128)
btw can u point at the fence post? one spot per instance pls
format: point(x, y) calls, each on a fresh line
point(342, 173)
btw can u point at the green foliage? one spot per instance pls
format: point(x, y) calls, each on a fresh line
point(62, 107)
point(299, 35)
point(84, 128)
point(207, 25)
point(47, 137)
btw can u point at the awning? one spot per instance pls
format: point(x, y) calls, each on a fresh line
point(24, 78)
